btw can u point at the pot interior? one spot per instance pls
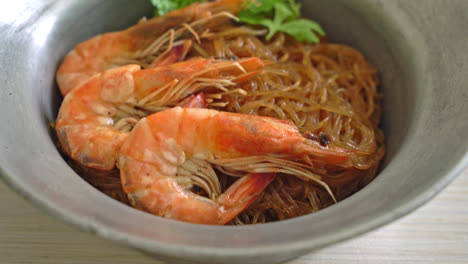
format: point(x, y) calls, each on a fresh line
point(383, 31)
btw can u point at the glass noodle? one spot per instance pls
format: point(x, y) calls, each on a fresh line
point(328, 90)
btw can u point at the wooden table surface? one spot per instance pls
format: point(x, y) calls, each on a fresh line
point(435, 233)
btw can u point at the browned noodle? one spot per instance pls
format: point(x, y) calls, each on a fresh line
point(326, 88)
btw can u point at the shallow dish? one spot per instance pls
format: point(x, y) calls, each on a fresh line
point(418, 46)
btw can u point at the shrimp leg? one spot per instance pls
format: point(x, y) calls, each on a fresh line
point(162, 195)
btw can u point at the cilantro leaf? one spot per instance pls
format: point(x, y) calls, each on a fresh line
point(276, 15)
point(162, 7)
point(260, 6)
point(303, 30)
point(166, 6)
point(281, 16)
point(295, 7)
point(282, 13)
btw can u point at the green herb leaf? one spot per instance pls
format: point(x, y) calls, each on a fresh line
point(282, 13)
point(276, 15)
point(303, 30)
point(165, 6)
point(281, 16)
point(261, 6)
point(295, 7)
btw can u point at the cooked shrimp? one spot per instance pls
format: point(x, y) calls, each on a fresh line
point(142, 44)
point(163, 145)
point(95, 118)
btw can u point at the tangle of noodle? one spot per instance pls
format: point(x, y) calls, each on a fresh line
point(328, 90)
point(325, 89)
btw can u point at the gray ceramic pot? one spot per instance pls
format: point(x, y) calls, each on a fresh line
point(418, 46)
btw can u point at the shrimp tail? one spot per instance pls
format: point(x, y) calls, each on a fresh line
point(242, 194)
